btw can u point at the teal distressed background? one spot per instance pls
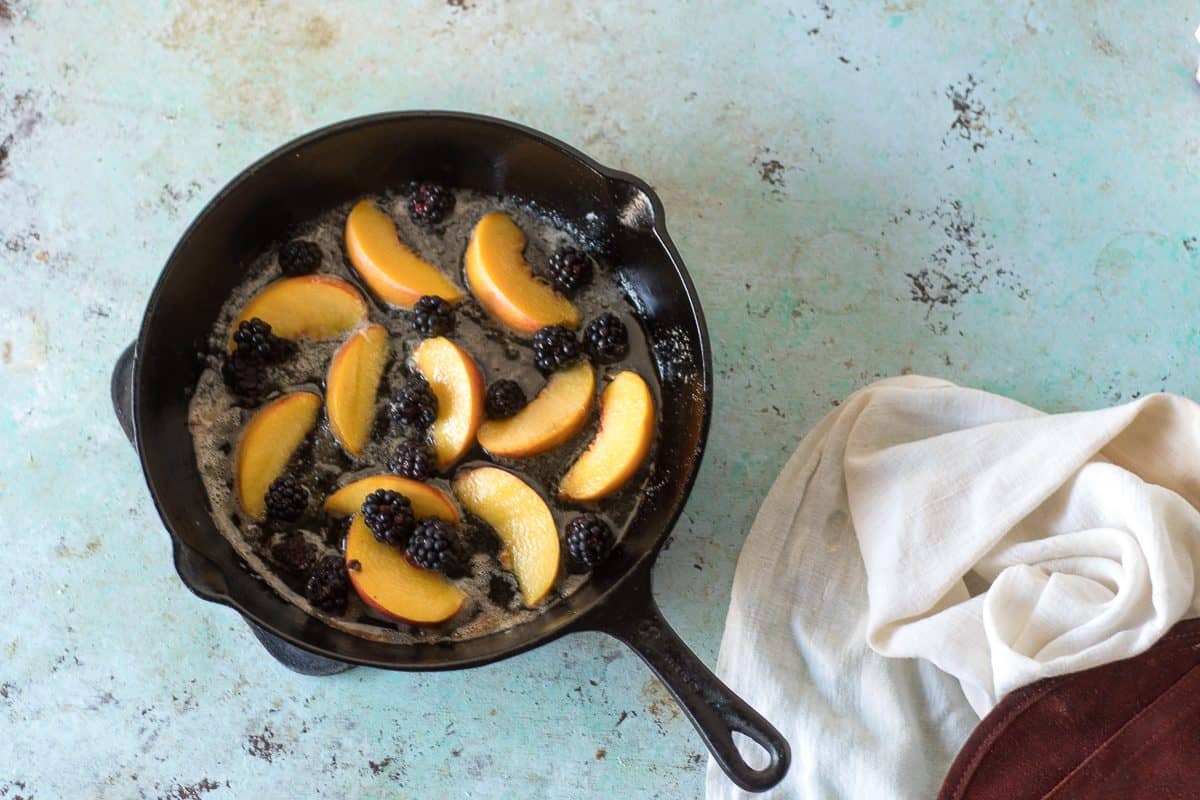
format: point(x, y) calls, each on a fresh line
point(1002, 193)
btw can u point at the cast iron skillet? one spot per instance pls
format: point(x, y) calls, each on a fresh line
point(370, 154)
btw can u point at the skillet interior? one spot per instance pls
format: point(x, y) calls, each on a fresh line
point(336, 164)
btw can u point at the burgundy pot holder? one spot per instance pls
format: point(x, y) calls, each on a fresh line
point(1127, 731)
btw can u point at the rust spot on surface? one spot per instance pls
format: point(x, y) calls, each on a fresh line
point(601, 753)
point(90, 548)
point(20, 116)
point(6, 12)
point(1105, 45)
point(10, 785)
point(970, 120)
point(961, 266)
point(772, 172)
point(318, 33)
point(192, 791)
point(6, 352)
point(659, 703)
point(263, 745)
point(379, 766)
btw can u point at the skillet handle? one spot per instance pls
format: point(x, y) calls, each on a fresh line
point(712, 707)
point(197, 572)
point(121, 389)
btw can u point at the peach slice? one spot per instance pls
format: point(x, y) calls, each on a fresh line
point(393, 271)
point(521, 519)
point(457, 384)
point(266, 445)
point(557, 413)
point(502, 280)
point(621, 444)
point(353, 383)
point(427, 500)
point(386, 581)
point(308, 307)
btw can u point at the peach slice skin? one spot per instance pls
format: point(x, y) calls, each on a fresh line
point(427, 500)
point(621, 443)
point(266, 445)
point(504, 283)
point(308, 307)
point(521, 519)
point(556, 414)
point(393, 271)
point(352, 385)
point(387, 582)
point(457, 384)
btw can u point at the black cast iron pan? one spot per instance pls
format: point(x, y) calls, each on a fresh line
point(368, 155)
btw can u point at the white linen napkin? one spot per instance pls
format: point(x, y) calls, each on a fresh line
point(930, 548)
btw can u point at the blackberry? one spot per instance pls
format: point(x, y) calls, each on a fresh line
point(554, 347)
point(504, 399)
point(429, 203)
point(589, 539)
point(328, 585)
point(570, 270)
point(293, 554)
point(412, 459)
point(433, 316)
point(299, 257)
point(415, 403)
point(431, 546)
point(244, 374)
point(286, 499)
point(253, 337)
point(605, 339)
point(389, 515)
point(254, 349)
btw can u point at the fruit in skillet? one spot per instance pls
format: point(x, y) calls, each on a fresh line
point(589, 540)
point(299, 257)
point(427, 500)
point(570, 270)
point(286, 499)
point(266, 445)
point(504, 283)
point(255, 348)
point(308, 307)
point(521, 519)
point(556, 414)
point(457, 384)
point(414, 459)
point(429, 204)
point(621, 443)
point(385, 580)
point(504, 399)
point(554, 347)
point(394, 272)
point(327, 586)
point(352, 384)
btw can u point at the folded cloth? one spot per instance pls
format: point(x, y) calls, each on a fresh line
point(930, 548)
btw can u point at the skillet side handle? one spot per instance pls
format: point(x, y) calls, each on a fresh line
point(197, 572)
point(121, 389)
point(712, 707)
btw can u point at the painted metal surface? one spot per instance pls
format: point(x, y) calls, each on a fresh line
point(1002, 193)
